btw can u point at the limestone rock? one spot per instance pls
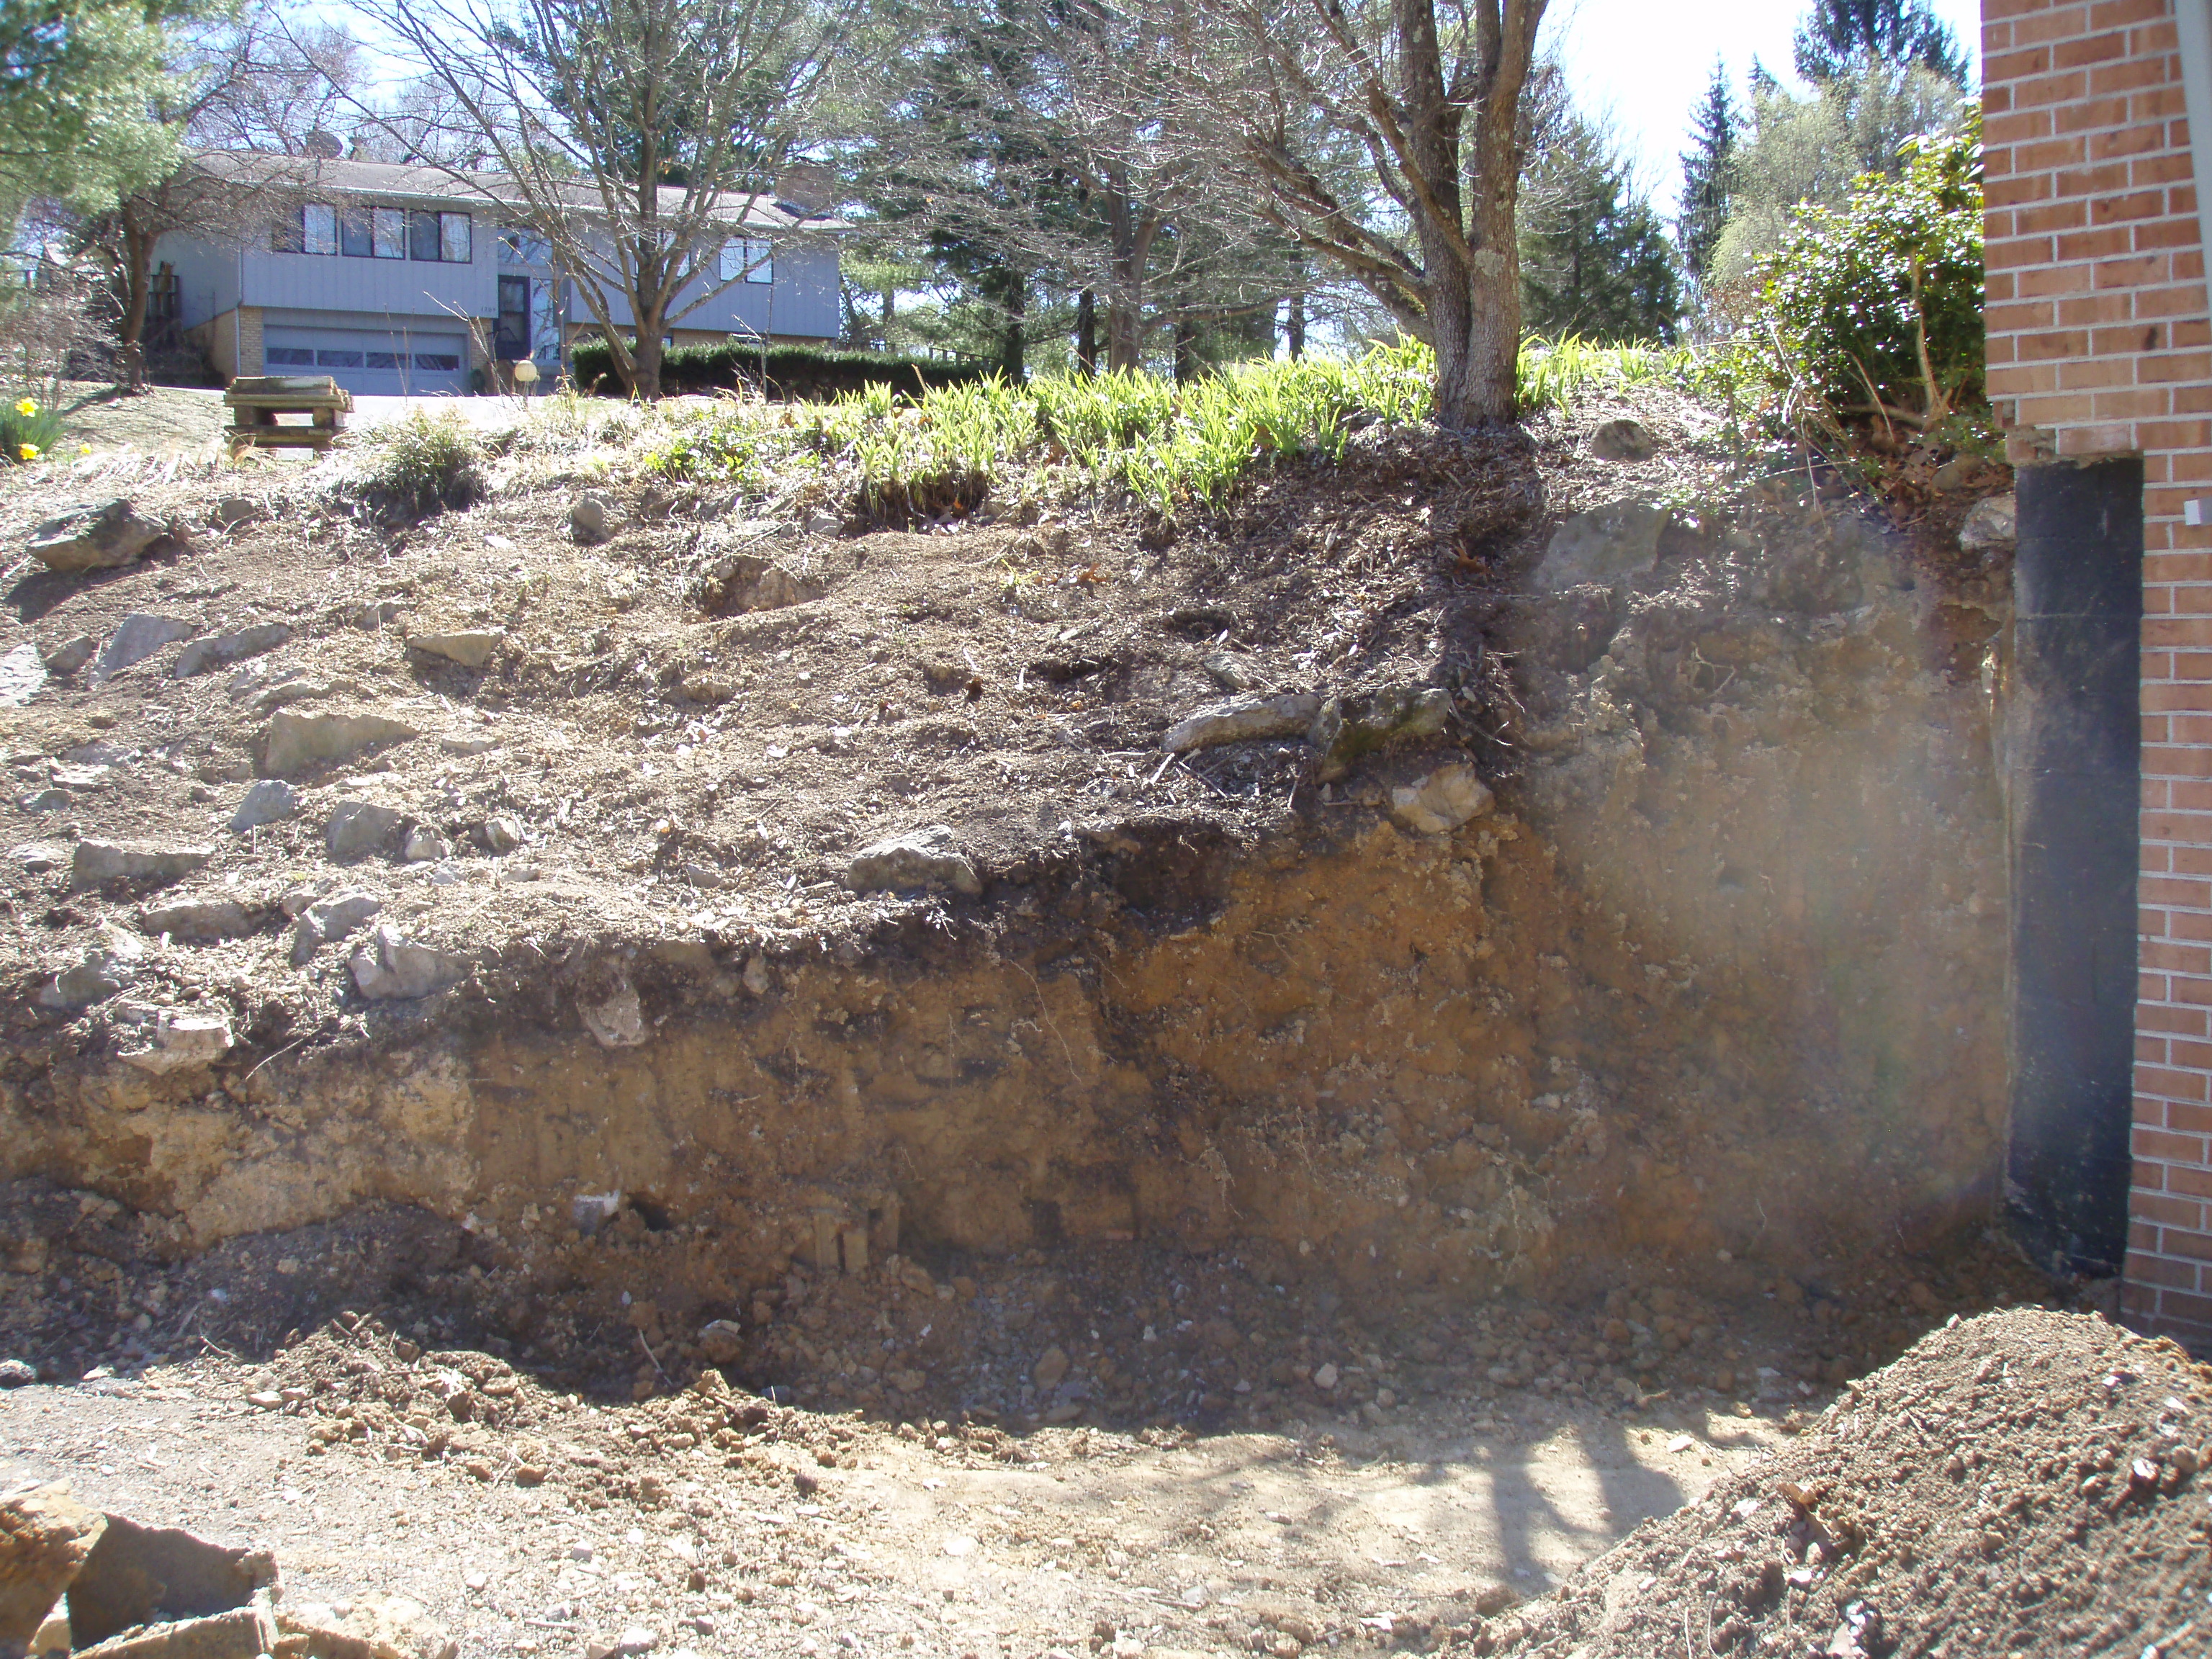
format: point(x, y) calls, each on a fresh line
point(1623, 440)
point(70, 655)
point(499, 834)
point(390, 968)
point(618, 1021)
point(590, 522)
point(374, 1626)
point(22, 676)
point(723, 1341)
point(468, 743)
point(210, 916)
point(294, 742)
point(105, 535)
point(327, 920)
point(1441, 802)
point(181, 1041)
point(1348, 727)
point(96, 861)
point(1991, 525)
point(928, 857)
point(214, 651)
point(1602, 545)
point(269, 800)
point(426, 845)
point(46, 1536)
point(470, 647)
point(355, 827)
point(746, 581)
point(136, 638)
point(93, 980)
point(1242, 720)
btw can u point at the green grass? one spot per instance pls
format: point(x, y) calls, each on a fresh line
point(1165, 444)
point(423, 464)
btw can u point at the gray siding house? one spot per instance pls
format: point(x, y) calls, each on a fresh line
point(401, 279)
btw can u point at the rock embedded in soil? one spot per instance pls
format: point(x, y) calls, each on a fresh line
point(425, 846)
point(96, 861)
point(17, 1374)
point(214, 651)
point(1243, 720)
point(470, 647)
point(1051, 1369)
point(92, 980)
point(590, 520)
point(355, 827)
point(136, 638)
point(294, 742)
point(46, 1538)
point(181, 1041)
point(70, 655)
point(1346, 728)
point(499, 834)
point(1601, 546)
point(1991, 524)
point(267, 802)
point(746, 582)
point(105, 535)
point(722, 1341)
point(390, 967)
point(1440, 801)
point(1623, 440)
point(616, 1020)
point(326, 921)
point(928, 857)
point(198, 917)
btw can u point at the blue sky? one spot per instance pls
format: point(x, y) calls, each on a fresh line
point(1646, 61)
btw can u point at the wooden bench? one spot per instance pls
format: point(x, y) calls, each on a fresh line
point(256, 401)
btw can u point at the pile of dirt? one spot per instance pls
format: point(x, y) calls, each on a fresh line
point(2022, 1483)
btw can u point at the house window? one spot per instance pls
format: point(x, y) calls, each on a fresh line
point(288, 357)
point(511, 342)
point(387, 232)
point(354, 238)
point(318, 228)
point(379, 359)
point(439, 236)
point(754, 259)
point(520, 247)
point(446, 361)
point(338, 360)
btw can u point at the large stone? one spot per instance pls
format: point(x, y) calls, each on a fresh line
point(182, 1041)
point(389, 968)
point(329, 919)
point(355, 827)
point(1242, 720)
point(1439, 803)
point(470, 647)
point(1603, 546)
point(139, 1575)
point(1348, 727)
point(214, 651)
point(101, 537)
point(203, 917)
point(746, 581)
point(46, 1538)
point(294, 742)
point(1623, 440)
point(590, 520)
point(22, 676)
point(136, 638)
point(1991, 524)
point(92, 980)
point(928, 857)
point(269, 800)
point(616, 1020)
point(96, 861)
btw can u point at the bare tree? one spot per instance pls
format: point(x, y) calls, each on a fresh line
point(1387, 137)
point(637, 138)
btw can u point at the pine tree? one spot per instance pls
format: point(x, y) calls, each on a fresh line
point(1835, 32)
point(1594, 259)
point(1706, 166)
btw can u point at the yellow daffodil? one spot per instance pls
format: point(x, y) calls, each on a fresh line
point(27, 408)
point(84, 449)
point(28, 451)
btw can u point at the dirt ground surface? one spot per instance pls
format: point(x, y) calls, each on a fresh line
point(166, 420)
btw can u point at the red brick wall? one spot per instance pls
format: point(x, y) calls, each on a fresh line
point(2099, 344)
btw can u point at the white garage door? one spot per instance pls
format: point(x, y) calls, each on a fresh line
point(397, 363)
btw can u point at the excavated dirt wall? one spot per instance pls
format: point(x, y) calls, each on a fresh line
point(1715, 991)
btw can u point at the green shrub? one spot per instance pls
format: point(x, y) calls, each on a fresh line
point(1871, 314)
point(30, 425)
point(424, 462)
point(795, 373)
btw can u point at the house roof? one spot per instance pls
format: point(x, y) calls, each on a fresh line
point(418, 181)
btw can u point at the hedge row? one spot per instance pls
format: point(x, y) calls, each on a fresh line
point(795, 373)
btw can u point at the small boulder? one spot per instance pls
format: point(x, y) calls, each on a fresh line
point(499, 834)
point(268, 801)
point(136, 638)
point(928, 857)
point(390, 968)
point(233, 510)
point(1242, 720)
point(1991, 524)
point(470, 647)
point(220, 650)
point(1348, 727)
point(201, 918)
point(617, 1020)
point(1439, 803)
point(1623, 440)
point(17, 1374)
point(92, 980)
point(327, 920)
point(292, 742)
point(355, 827)
point(64, 658)
point(746, 581)
point(95, 861)
point(1602, 545)
point(426, 845)
point(46, 1537)
point(105, 535)
point(182, 1041)
point(590, 520)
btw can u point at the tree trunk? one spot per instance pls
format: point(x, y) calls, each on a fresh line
point(1294, 326)
point(137, 284)
point(1186, 352)
point(890, 311)
point(1013, 345)
point(645, 360)
point(1086, 331)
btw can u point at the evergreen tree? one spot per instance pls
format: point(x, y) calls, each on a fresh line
point(1595, 258)
point(1836, 33)
point(1706, 166)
